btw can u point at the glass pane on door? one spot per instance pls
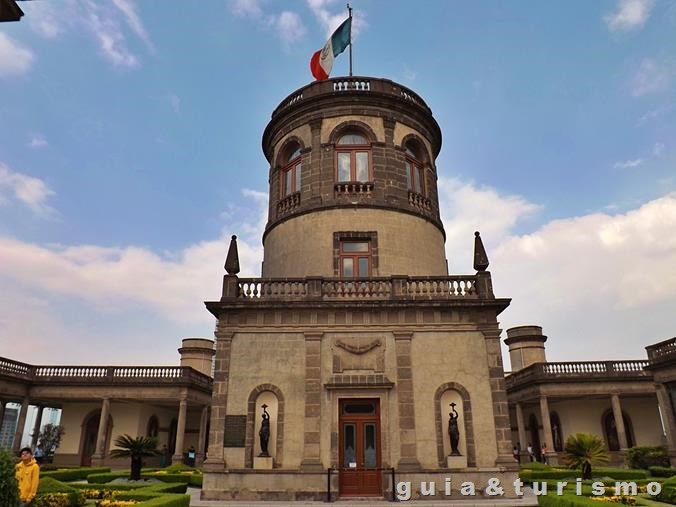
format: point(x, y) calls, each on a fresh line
point(343, 167)
point(348, 267)
point(363, 266)
point(362, 166)
point(370, 456)
point(349, 445)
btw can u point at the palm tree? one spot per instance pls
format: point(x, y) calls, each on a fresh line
point(136, 449)
point(584, 450)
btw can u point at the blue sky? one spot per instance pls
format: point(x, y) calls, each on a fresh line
point(130, 151)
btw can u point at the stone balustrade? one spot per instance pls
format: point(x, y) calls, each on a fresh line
point(289, 203)
point(353, 187)
point(355, 84)
point(395, 287)
point(662, 351)
point(578, 371)
point(87, 375)
point(419, 201)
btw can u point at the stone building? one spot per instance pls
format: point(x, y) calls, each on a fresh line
point(356, 340)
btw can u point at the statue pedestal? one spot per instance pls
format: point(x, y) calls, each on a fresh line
point(263, 463)
point(455, 462)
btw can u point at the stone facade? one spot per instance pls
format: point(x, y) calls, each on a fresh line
point(402, 337)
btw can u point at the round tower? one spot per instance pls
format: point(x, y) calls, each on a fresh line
point(526, 346)
point(353, 183)
point(198, 353)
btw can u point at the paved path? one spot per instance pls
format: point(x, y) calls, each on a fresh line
point(528, 500)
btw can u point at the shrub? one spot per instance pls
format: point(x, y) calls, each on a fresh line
point(535, 465)
point(646, 457)
point(74, 474)
point(9, 491)
point(620, 473)
point(178, 467)
point(51, 493)
point(662, 471)
point(103, 478)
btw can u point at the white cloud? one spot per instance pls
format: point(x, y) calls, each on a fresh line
point(629, 15)
point(626, 164)
point(605, 281)
point(466, 208)
point(32, 192)
point(172, 284)
point(174, 101)
point(651, 77)
point(656, 113)
point(37, 141)
point(658, 149)
point(109, 24)
point(15, 60)
point(324, 11)
point(287, 25)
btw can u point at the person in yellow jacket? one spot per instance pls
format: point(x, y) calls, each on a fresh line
point(27, 473)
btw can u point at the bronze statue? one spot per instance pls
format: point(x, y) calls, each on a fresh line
point(453, 431)
point(264, 433)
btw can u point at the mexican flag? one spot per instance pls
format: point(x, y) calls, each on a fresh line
point(322, 61)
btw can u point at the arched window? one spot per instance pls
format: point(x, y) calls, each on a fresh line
point(415, 173)
point(153, 427)
point(557, 433)
point(353, 153)
point(291, 172)
point(610, 430)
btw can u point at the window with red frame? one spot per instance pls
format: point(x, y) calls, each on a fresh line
point(291, 172)
point(355, 259)
point(353, 153)
point(415, 175)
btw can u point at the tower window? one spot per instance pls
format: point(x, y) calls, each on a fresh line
point(352, 155)
point(291, 172)
point(415, 174)
point(355, 259)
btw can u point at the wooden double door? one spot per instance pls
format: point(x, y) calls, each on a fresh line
point(360, 451)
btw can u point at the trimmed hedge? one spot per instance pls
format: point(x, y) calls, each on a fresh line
point(103, 478)
point(196, 480)
point(155, 499)
point(49, 486)
point(567, 500)
point(619, 473)
point(662, 471)
point(646, 457)
point(74, 474)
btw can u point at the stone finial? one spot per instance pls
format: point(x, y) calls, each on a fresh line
point(232, 260)
point(480, 257)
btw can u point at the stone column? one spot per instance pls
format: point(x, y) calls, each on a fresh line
point(36, 427)
point(219, 401)
point(405, 396)
point(102, 434)
point(547, 431)
point(619, 420)
point(664, 404)
point(203, 433)
point(20, 423)
point(313, 390)
point(521, 429)
point(180, 431)
point(496, 375)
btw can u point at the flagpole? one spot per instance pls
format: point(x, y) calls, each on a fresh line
point(349, 11)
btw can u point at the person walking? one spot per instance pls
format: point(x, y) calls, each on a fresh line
point(543, 453)
point(27, 473)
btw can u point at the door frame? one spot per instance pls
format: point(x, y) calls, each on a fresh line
point(360, 421)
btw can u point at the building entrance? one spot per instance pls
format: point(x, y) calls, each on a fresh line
point(360, 451)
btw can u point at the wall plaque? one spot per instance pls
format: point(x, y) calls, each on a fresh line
point(235, 431)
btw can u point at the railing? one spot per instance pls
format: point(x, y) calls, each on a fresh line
point(103, 374)
point(579, 370)
point(662, 351)
point(395, 287)
point(353, 187)
point(419, 201)
point(356, 84)
point(289, 203)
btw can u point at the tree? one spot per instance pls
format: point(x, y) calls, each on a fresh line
point(584, 450)
point(9, 491)
point(136, 449)
point(50, 438)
